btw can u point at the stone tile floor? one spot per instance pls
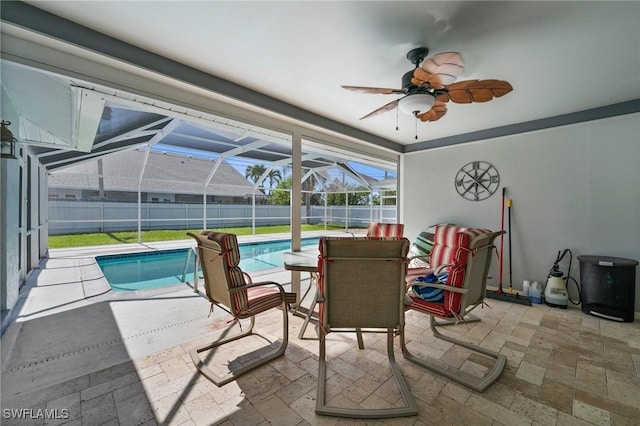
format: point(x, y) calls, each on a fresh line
point(564, 368)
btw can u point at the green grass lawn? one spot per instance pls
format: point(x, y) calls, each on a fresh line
point(106, 238)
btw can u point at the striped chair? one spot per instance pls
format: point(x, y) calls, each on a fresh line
point(377, 229)
point(466, 254)
point(228, 287)
point(420, 252)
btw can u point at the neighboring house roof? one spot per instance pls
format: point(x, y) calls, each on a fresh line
point(164, 173)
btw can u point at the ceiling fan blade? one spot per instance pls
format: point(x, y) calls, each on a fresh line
point(437, 111)
point(439, 70)
point(374, 90)
point(442, 97)
point(384, 108)
point(465, 92)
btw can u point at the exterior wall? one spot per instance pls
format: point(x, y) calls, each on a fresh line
point(160, 197)
point(572, 187)
point(23, 225)
point(66, 194)
point(9, 235)
point(58, 193)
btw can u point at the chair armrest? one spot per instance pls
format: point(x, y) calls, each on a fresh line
point(438, 285)
point(443, 287)
point(441, 267)
point(263, 283)
point(424, 257)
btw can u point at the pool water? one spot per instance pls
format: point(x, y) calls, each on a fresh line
point(153, 269)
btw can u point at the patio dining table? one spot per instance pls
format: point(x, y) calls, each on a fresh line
point(304, 261)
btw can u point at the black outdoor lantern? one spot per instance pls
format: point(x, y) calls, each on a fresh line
point(8, 142)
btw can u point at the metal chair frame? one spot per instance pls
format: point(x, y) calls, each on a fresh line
point(221, 293)
point(362, 290)
point(473, 292)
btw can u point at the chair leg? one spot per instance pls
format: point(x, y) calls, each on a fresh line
point(312, 308)
point(360, 340)
point(479, 385)
point(409, 409)
point(219, 380)
point(313, 283)
point(467, 318)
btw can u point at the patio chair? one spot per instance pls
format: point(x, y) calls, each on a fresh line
point(465, 253)
point(377, 229)
point(420, 252)
point(421, 263)
point(381, 230)
point(228, 287)
point(361, 288)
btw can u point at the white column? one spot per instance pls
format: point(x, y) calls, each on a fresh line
point(296, 203)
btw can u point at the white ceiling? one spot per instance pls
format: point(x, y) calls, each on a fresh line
point(560, 57)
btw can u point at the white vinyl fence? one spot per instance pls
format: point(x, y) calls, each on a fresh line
point(75, 217)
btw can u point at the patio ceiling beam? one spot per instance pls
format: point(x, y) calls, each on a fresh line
point(242, 136)
point(242, 130)
point(306, 175)
point(320, 181)
point(240, 149)
point(204, 139)
point(78, 159)
point(288, 161)
point(132, 134)
point(256, 184)
point(349, 170)
point(277, 163)
point(165, 131)
point(231, 153)
point(204, 121)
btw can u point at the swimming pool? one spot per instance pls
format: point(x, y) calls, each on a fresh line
point(153, 269)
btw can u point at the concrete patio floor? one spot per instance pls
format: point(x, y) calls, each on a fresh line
point(89, 356)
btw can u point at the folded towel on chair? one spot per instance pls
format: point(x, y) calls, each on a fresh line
point(430, 294)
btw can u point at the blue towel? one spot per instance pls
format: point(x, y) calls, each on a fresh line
point(428, 293)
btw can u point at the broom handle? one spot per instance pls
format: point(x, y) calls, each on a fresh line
point(504, 191)
point(509, 232)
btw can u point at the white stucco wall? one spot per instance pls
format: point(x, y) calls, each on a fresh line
point(573, 187)
point(9, 259)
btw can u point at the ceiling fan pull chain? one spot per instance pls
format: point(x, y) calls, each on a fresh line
point(397, 112)
point(415, 114)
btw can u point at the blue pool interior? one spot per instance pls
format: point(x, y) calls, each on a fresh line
point(154, 269)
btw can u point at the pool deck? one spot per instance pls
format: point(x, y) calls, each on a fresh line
point(61, 300)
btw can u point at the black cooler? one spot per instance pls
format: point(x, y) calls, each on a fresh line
point(608, 287)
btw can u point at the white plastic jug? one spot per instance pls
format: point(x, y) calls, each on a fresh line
point(535, 295)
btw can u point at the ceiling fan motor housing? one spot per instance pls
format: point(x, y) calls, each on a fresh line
point(407, 85)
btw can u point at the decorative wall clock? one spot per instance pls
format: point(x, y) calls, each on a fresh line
point(477, 180)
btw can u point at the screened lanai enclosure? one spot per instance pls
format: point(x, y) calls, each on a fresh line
point(214, 183)
point(155, 165)
point(101, 149)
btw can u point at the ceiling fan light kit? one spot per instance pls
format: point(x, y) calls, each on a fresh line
point(431, 84)
point(416, 103)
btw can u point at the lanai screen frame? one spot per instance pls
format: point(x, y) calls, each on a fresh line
point(178, 128)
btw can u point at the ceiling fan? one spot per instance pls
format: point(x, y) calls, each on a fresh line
point(431, 84)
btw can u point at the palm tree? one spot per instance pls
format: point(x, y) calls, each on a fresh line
point(274, 177)
point(254, 172)
point(307, 187)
